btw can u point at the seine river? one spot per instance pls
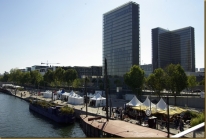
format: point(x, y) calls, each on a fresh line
point(17, 121)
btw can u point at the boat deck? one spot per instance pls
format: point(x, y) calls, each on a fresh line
point(122, 128)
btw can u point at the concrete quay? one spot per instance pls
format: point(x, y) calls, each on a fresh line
point(93, 111)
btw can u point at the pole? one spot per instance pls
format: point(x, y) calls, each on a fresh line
point(150, 101)
point(106, 89)
point(168, 118)
point(86, 93)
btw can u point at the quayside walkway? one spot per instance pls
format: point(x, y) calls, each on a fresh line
point(81, 109)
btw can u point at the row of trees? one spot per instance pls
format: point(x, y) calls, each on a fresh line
point(172, 78)
point(59, 77)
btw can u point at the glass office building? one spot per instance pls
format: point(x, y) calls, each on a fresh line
point(121, 39)
point(176, 47)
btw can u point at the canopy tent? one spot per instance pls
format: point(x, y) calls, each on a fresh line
point(161, 105)
point(65, 95)
point(99, 100)
point(134, 102)
point(148, 103)
point(172, 111)
point(47, 94)
point(75, 99)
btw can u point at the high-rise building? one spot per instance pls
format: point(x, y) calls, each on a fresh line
point(173, 47)
point(121, 39)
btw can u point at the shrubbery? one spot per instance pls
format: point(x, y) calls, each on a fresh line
point(66, 110)
point(197, 120)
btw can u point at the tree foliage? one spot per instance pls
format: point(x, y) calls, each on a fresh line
point(69, 76)
point(135, 79)
point(156, 81)
point(191, 81)
point(15, 75)
point(176, 79)
point(36, 77)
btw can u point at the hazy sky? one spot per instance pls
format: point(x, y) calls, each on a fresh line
point(69, 32)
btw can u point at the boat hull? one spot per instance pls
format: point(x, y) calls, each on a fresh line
point(53, 114)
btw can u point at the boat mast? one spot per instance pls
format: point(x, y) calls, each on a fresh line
point(106, 88)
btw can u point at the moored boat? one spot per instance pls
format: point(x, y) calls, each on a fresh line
point(59, 114)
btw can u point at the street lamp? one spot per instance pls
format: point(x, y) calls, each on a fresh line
point(168, 118)
point(85, 92)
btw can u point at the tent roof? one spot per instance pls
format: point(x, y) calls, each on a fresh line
point(161, 104)
point(134, 102)
point(97, 97)
point(147, 103)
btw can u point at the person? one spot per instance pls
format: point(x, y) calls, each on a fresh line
point(21, 94)
point(181, 125)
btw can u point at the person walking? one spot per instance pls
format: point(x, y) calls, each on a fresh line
point(181, 125)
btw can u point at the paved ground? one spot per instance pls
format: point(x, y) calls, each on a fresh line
point(99, 111)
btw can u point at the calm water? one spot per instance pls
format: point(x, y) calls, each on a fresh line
point(17, 121)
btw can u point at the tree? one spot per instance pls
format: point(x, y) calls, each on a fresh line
point(202, 82)
point(49, 77)
point(26, 77)
point(15, 75)
point(176, 79)
point(159, 80)
point(191, 81)
point(150, 81)
point(59, 75)
point(5, 77)
point(36, 77)
point(77, 83)
point(135, 79)
point(69, 76)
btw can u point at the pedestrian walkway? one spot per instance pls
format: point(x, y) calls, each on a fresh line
point(98, 111)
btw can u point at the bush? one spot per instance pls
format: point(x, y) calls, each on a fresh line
point(66, 110)
point(197, 120)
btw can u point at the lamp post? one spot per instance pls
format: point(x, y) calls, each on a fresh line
point(168, 118)
point(85, 92)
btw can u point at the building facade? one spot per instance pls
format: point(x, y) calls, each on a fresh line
point(121, 39)
point(173, 47)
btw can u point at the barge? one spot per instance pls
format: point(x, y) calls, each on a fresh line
point(99, 127)
point(53, 113)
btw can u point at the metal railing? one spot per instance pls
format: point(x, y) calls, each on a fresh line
point(193, 129)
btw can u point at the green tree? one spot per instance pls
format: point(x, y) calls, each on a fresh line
point(202, 82)
point(135, 79)
point(59, 75)
point(36, 77)
point(15, 75)
point(78, 83)
point(176, 79)
point(48, 77)
point(5, 77)
point(159, 81)
point(69, 76)
point(26, 78)
point(191, 81)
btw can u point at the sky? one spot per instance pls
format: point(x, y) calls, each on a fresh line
point(69, 32)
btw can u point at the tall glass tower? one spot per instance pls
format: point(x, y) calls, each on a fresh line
point(176, 47)
point(121, 39)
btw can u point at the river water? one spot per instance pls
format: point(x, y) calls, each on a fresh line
point(17, 121)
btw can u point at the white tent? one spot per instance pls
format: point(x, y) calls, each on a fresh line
point(65, 95)
point(47, 94)
point(134, 102)
point(161, 105)
point(147, 103)
point(75, 99)
point(99, 100)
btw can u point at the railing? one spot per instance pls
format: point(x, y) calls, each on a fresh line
point(193, 129)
